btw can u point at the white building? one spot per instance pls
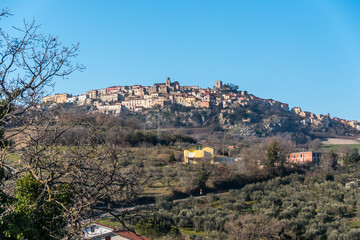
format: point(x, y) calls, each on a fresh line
point(114, 108)
point(83, 97)
point(131, 104)
point(113, 97)
point(72, 99)
point(98, 231)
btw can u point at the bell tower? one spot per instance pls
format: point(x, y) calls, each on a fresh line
point(218, 84)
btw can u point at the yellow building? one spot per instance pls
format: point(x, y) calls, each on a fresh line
point(199, 152)
point(57, 98)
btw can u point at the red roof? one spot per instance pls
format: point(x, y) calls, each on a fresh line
point(125, 233)
point(130, 235)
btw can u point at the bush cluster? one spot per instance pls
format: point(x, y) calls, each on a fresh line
point(298, 207)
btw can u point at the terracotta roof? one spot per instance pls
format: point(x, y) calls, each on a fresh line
point(124, 233)
point(130, 235)
point(200, 144)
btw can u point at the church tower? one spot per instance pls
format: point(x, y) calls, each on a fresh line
point(218, 84)
point(168, 82)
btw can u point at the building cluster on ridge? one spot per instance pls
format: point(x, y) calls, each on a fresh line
point(138, 98)
point(310, 118)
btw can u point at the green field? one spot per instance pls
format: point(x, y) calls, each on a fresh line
point(191, 231)
point(338, 146)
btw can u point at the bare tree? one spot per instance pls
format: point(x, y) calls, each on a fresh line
point(253, 227)
point(79, 181)
point(315, 144)
point(28, 64)
point(329, 161)
point(67, 185)
point(271, 153)
point(252, 158)
point(4, 12)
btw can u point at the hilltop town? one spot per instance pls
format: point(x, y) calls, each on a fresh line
point(227, 97)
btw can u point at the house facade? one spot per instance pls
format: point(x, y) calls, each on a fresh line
point(113, 97)
point(304, 157)
point(57, 98)
point(198, 152)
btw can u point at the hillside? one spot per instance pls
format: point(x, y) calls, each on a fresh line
point(222, 108)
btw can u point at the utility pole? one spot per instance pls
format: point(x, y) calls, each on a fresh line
point(222, 143)
point(158, 127)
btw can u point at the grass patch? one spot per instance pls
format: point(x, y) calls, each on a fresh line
point(191, 231)
point(355, 224)
point(247, 210)
point(337, 147)
point(111, 222)
point(216, 204)
point(13, 157)
point(156, 191)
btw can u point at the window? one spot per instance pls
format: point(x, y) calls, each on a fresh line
point(199, 147)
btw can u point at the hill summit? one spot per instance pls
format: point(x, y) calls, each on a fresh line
point(223, 107)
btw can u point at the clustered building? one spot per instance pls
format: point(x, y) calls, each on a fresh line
point(322, 120)
point(138, 98)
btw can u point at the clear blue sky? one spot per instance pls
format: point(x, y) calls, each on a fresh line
point(305, 53)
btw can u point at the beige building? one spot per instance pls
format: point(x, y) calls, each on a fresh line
point(102, 91)
point(306, 114)
point(202, 104)
point(138, 90)
point(84, 99)
point(187, 101)
point(92, 94)
point(132, 104)
point(57, 98)
point(113, 97)
point(296, 110)
point(189, 88)
point(161, 101)
point(354, 124)
point(114, 108)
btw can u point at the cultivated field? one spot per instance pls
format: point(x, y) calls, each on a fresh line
point(339, 141)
